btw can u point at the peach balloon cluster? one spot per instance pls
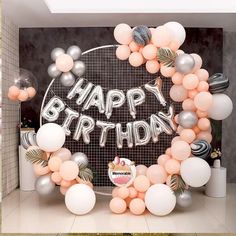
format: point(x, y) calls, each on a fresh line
point(22, 95)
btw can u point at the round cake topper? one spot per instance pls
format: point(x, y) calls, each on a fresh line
point(122, 171)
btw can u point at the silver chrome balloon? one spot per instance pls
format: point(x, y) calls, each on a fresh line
point(95, 98)
point(44, 185)
point(184, 63)
point(187, 119)
point(81, 92)
point(156, 90)
point(80, 159)
point(115, 99)
point(184, 199)
point(105, 127)
point(121, 135)
point(135, 97)
point(53, 108)
point(56, 52)
point(70, 116)
point(138, 140)
point(53, 71)
point(78, 68)
point(169, 117)
point(83, 128)
point(67, 79)
point(74, 51)
point(158, 126)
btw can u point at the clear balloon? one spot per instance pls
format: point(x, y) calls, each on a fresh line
point(67, 79)
point(184, 63)
point(138, 140)
point(80, 159)
point(121, 136)
point(70, 116)
point(74, 51)
point(187, 119)
point(115, 99)
point(44, 185)
point(78, 68)
point(184, 199)
point(135, 97)
point(105, 127)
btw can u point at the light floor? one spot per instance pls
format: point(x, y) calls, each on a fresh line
point(25, 212)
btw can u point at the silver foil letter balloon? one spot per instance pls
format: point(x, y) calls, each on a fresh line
point(53, 108)
point(120, 135)
point(115, 99)
point(96, 98)
point(156, 90)
point(78, 90)
point(169, 117)
point(83, 128)
point(135, 97)
point(105, 127)
point(141, 125)
point(70, 116)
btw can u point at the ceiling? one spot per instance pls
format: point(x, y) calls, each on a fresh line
point(35, 13)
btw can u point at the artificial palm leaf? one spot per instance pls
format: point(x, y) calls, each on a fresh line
point(177, 184)
point(37, 156)
point(86, 174)
point(166, 56)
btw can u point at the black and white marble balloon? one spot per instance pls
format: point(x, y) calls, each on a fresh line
point(28, 139)
point(201, 149)
point(218, 83)
point(142, 35)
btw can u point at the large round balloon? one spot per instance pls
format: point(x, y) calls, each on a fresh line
point(160, 199)
point(195, 171)
point(80, 199)
point(221, 107)
point(50, 137)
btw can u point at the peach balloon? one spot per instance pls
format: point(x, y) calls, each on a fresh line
point(174, 45)
point(178, 93)
point(141, 183)
point(167, 71)
point(31, 92)
point(197, 60)
point(162, 159)
point(134, 47)
point(180, 150)
point(69, 170)
point(172, 166)
point(14, 91)
point(64, 63)
point(201, 114)
point(128, 200)
point(196, 129)
point(65, 183)
point(140, 50)
point(54, 163)
point(135, 59)
point(187, 135)
point(141, 170)
point(156, 174)
point(175, 139)
point(203, 86)
point(12, 97)
point(63, 190)
point(152, 66)
point(137, 206)
point(204, 124)
point(205, 135)
point(56, 177)
point(132, 192)
point(168, 151)
point(192, 93)
point(123, 192)
point(118, 205)
point(202, 74)
point(179, 129)
point(176, 119)
point(161, 36)
point(123, 34)
point(177, 78)
point(203, 101)
point(123, 52)
point(179, 52)
point(115, 192)
point(63, 153)
point(141, 195)
point(149, 52)
point(23, 95)
point(190, 81)
point(188, 105)
point(40, 170)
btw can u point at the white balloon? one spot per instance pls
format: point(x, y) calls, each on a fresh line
point(160, 200)
point(80, 199)
point(221, 107)
point(50, 137)
point(195, 171)
point(177, 31)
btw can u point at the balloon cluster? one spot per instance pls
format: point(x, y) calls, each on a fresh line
point(55, 165)
point(66, 65)
point(24, 86)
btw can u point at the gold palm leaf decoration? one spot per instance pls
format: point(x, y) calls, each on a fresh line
point(177, 184)
point(37, 156)
point(166, 56)
point(86, 174)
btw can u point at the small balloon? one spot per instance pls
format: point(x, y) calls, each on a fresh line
point(121, 135)
point(187, 119)
point(56, 52)
point(53, 71)
point(105, 127)
point(78, 68)
point(218, 83)
point(146, 133)
point(184, 63)
point(67, 79)
point(141, 35)
point(201, 149)
point(184, 199)
point(74, 51)
point(80, 159)
point(44, 185)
